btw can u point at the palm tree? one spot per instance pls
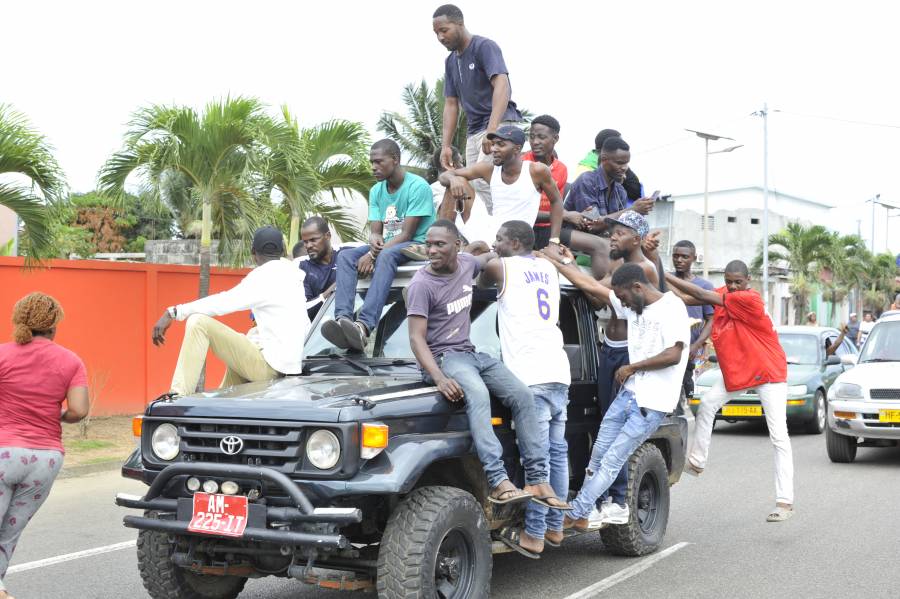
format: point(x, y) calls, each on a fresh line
point(804, 251)
point(309, 167)
point(845, 260)
point(26, 153)
point(880, 276)
point(212, 156)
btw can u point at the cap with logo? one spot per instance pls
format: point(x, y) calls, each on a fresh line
point(268, 241)
point(509, 133)
point(632, 220)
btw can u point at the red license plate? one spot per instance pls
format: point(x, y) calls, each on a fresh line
point(219, 514)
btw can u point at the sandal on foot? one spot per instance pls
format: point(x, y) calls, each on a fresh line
point(551, 543)
point(780, 514)
point(415, 251)
point(508, 496)
point(552, 502)
point(510, 537)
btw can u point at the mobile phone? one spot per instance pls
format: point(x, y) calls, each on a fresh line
point(655, 195)
point(592, 213)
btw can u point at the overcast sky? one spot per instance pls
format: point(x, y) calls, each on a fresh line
point(649, 69)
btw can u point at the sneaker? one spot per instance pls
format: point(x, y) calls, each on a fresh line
point(613, 513)
point(595, 520)
point(334, 333)
point(356, 334)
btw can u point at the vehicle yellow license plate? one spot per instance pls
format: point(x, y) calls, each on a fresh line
point(742, 411)
point(888, 415)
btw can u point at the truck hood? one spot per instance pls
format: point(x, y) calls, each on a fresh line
point(316, 398)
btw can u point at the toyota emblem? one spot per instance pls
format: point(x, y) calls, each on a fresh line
point(231, 445)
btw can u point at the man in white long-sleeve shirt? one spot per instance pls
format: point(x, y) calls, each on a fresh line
point(274, 291)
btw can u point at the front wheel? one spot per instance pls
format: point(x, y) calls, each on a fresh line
point(165, 580)
point(841, 448)
point(436, 544)
point(648, 500)
point(817, 423)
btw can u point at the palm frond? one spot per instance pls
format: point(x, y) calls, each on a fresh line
point(36, 241)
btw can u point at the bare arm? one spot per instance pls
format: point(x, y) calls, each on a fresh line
point(701, 295)
point(418, 325)
point(410, 224)
point(491, 270)
point(540, 175)
point(457, 179)
point(451, 114)
point(667, 357)
point(704, 334)
point(77, 405)
point(499, 102)
point(586, 283)
point(837, 342)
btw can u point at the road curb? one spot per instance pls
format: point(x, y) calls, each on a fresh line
point(104, 466)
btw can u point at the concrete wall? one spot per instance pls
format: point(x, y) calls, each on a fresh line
point(8, 223)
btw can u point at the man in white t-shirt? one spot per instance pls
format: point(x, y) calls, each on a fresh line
point(532, 348)
point(658, 335)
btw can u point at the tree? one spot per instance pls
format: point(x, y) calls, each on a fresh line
point(26, 153)
point(309, 167)
point(844, 260)
point(212, 156)
point(804, 251)
point(879, 275)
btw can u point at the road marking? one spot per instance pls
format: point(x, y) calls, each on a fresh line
point(50, 561)
point(626, 573)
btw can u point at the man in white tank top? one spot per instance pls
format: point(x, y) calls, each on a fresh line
point(532, 348)
point(516, 184)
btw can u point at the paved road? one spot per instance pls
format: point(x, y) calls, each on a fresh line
point(844, 540)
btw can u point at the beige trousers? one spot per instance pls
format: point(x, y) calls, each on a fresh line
point(243, 359)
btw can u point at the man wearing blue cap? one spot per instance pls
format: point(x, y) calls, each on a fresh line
point(274, 291)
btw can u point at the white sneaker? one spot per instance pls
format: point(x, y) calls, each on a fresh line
point(613, 513)
point(595, 519)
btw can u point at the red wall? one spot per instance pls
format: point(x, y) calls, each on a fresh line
point(110, 309)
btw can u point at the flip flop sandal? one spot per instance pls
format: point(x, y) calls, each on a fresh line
point(415, 252)
point(545, 501)
point(510, 537)
point(780, 514)
point(553, 544)
point(521, 497)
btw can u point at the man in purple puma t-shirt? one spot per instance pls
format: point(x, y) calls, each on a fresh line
point(439, 302)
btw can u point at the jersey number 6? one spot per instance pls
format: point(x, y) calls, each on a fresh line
point(543, 305)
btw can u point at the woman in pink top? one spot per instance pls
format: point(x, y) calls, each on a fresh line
point(36, 377)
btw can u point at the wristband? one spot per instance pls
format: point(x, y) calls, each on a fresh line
point(172, 311)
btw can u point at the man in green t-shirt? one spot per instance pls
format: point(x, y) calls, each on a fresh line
point(400, 211)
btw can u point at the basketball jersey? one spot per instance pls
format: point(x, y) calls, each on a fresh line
point(528, 307)
point(517, 201)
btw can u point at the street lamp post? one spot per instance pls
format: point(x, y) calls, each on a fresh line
point(705, 224)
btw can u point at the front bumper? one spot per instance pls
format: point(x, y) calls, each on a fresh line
point(799, 408)
point(865, 421)
point(299, 512)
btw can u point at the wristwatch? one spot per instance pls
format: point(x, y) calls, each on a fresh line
point(567, 261)
point(554, 240)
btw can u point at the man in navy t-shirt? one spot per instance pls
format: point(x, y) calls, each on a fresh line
point(321, 267)
point(475, 76)
point(684, 253)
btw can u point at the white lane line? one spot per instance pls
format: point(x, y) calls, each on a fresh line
point(50, 561)
point(626, 573)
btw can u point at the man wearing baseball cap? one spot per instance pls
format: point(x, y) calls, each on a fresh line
point(274, 291)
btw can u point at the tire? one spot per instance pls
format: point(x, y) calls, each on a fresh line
point(165, 580)
point(436, 544)
point(819, 420)
point(841, 448)
point(648, 500)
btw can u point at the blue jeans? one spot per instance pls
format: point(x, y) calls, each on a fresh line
point(345, 291)
point(625, 426)
point(550, 401)
point(481, 376)
point(611, 359)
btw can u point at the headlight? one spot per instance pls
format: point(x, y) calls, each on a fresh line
point(323, 449)
point(848, 391)
point(165, 442)
point(795, 390)
point(700, 391)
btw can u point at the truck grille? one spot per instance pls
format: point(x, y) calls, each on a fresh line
point(885, 393)
point(277, 447)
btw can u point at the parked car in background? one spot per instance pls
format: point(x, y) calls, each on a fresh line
point(810, 374)
point(864, 403)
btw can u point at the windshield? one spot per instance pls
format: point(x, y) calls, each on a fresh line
point(390, 340)
point(799, 348)
point(882, 344)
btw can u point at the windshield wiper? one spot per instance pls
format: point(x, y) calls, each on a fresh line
point(355, 363)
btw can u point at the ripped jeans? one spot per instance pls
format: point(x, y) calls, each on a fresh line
point(624, 427)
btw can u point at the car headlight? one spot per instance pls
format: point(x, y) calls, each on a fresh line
point(323, 449)
point(848, 391)
point(165, 442)
point(795, 390)
point(699, 390)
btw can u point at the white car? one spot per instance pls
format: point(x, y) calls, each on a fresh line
point(864, 403)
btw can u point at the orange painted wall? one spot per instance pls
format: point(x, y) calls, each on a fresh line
point(110, 309)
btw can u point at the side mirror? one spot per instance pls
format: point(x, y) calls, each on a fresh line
point(832, 360)
point(849, 359)
point(714, 359)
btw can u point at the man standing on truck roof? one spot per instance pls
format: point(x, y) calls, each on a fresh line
point(400, 212)
point(750, 357)
point(532, 347)
point(658, 338)
point(439, 303)
point(274, 291)
point(475, 76)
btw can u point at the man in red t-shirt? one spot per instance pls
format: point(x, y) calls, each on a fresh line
point(750, 357)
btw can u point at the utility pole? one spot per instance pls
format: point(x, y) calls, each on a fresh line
point(764, 113)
